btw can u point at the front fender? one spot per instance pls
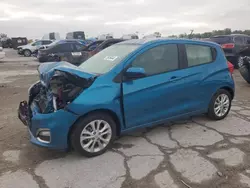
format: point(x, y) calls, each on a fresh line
point(105, 97)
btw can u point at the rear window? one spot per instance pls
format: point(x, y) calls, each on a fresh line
point(222, 39)
point(198, 54)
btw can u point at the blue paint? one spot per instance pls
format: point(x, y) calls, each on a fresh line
point(146, 101)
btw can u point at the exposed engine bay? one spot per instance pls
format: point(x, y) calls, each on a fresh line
point(63, 88)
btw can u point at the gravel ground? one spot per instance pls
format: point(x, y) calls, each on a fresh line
point(196, 152)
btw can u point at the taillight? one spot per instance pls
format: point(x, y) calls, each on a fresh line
point(228, 46)
point(230, 67)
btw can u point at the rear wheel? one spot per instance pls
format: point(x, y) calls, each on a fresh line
point(93, 134)
point(220, 105)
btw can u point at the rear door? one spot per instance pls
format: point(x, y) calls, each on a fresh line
point(201, 69)
point(160, 95)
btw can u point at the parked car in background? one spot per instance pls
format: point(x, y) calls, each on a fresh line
point(130, 36)
point(76, 35)
point(6, 42)
point(232, 45)
point(105, 36)
point(97, 46)
point(78, 54)
point(61, 51)
point(83, 42)
point(18, 41)
point(28, 49)
point(129, 85)
point(2, 53)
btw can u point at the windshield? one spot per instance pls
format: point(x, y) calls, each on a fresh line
point(105, 60)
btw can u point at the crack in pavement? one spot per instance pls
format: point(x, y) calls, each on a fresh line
point(165, 165)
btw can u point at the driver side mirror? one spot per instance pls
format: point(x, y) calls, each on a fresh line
point(134, 73)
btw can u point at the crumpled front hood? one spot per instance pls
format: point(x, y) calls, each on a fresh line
point(47, 70)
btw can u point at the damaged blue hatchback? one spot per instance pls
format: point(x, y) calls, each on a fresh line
point(135, 83)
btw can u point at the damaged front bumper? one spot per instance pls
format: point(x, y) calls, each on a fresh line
point(47, 130)
point(45, 113)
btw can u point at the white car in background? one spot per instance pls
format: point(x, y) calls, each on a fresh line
point(2, 53)
point(130, 36)
point(30, 48)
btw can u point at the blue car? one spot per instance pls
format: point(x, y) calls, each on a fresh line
point(132, 84)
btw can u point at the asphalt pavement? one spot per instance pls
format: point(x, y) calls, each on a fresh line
point(190, 153)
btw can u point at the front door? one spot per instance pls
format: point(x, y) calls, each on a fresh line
point(160, 94)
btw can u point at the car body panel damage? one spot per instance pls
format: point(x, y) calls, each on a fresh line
point(126, 86)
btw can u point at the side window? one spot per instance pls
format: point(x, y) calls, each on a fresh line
point(93, 46)
point(158, 60)
point(46, 42)
point(107, 45)
point(198, 54)
point(248, 40)
point(38, 43)
point(78, 47)
point(239, 40)
point(66, 47)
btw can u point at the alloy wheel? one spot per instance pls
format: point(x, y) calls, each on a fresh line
point(95, 136)
point(221, 105)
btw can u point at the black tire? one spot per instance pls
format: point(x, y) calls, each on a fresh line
point(81, 124)
point(245, 73)
point(211, 112)
point(57, 58)
point(27, 53)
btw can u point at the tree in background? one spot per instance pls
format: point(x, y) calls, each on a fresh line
point(226, 31)
point(3, 35)
point(157, 34)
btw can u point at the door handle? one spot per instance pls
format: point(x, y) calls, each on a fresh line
point(173, 77)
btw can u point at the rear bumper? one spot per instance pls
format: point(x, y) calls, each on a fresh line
point(57, 123)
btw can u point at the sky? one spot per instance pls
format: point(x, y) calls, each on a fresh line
point(34, 18)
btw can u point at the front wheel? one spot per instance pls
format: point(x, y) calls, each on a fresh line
point(93, 134)
point(27, 53)
point(220, 105)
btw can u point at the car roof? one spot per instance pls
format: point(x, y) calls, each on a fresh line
point(157, 40)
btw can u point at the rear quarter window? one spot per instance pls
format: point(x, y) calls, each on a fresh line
point(199, 54)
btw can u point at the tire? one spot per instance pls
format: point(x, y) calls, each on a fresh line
point(212, 111)
point(57, 59)
point(27, 53)
point(84, 125)
point(245, 73)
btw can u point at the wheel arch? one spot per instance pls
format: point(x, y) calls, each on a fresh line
point(109, 112)
point(230, 90)
point(27, 49)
